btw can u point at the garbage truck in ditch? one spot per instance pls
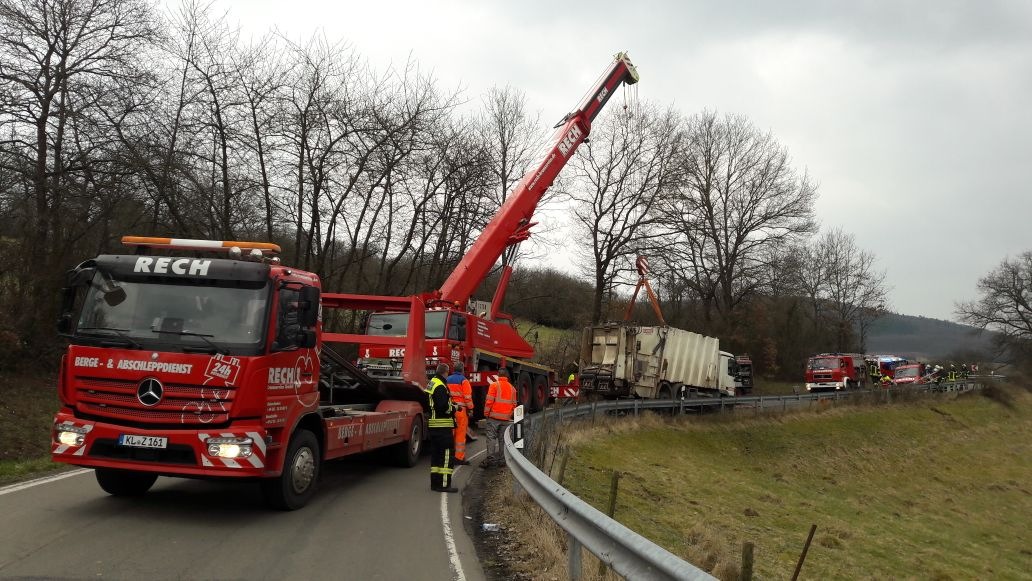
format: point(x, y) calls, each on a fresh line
point(623, 359)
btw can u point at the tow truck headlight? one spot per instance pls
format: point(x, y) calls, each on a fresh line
point(70, 435)
point(229, 447)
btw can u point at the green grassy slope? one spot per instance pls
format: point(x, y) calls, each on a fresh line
point(940, 489)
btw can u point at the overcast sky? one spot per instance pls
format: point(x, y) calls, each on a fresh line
point(914, 117)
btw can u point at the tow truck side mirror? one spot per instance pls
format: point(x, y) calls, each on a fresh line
point(309, 306)
point(64, 323)
point(65, 319)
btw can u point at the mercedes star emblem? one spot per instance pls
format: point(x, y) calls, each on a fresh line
point(150, 391)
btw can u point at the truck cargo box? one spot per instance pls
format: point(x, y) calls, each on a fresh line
point(623, 359)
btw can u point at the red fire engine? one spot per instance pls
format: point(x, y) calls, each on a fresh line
point(835, 371)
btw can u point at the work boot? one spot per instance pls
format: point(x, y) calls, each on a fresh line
point(445, 489)
point(461, 462)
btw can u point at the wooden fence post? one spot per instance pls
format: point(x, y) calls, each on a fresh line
point(802, 556)
point(747, 561)
point(613, 486)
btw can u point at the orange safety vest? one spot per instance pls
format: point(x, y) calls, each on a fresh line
point(461, 393)
point(501, 400)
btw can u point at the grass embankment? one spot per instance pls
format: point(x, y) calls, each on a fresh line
point(936, 489)
point(27, 406)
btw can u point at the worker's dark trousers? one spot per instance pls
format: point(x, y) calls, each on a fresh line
point(442, 442)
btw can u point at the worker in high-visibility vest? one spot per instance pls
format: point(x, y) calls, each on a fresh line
point(461, 393)
point(441, 424)
point(498, 407)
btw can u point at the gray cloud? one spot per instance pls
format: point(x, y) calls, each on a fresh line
point(912, 116)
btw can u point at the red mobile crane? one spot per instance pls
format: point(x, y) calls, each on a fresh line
point(484, 339)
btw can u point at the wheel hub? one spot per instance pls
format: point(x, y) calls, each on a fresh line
point(302, 470)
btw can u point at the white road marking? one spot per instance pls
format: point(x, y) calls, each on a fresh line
point(453, 554)
point(44, 480)
point(449, 538)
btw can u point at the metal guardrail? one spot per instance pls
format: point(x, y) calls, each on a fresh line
point(627, 552)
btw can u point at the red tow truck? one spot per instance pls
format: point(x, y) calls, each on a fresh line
point(216, 368)
point(476, 333)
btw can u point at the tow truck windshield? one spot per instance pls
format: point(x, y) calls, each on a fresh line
point(186, 315)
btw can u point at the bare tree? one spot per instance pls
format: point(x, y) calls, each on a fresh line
point(512, 137)
point(855, 291)
point(57, 59)
point(619, 177)
point(1005, 304)
point(260, 78)
point(739, 194)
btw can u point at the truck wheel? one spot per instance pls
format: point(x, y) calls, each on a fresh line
point(665, 392)
point(523, 389)
point(406, 454)
point(539, 398)
point(124, 482)
point(296, 484)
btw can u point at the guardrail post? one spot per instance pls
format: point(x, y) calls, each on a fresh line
point(574, 561)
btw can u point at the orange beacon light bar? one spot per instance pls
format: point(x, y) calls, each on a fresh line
point(191, 244)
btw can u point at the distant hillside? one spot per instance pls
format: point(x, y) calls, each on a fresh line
point(923, 338)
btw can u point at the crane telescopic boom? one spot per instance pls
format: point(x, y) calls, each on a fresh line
point(512, 222)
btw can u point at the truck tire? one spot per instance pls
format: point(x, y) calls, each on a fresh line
point(124, 482)
point(406, 454)
point(665, 392)
point(524, 386)
point(539, 397)
point(296, 484)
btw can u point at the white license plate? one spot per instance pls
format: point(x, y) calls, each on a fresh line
point(142, 441)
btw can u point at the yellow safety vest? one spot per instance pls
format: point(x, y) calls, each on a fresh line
point(436, 420)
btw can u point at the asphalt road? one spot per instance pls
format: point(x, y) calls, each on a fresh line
point(367, 521)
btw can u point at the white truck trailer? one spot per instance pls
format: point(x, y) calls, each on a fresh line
point(628, 360)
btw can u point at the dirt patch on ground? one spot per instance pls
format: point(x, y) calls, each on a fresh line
point(497, 549)
point(524, 544)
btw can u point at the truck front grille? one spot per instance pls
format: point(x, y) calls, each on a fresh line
point(180, 403)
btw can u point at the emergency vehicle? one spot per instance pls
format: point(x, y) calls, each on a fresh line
point(216, 367)
point(910, 373)
point(835, 372)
